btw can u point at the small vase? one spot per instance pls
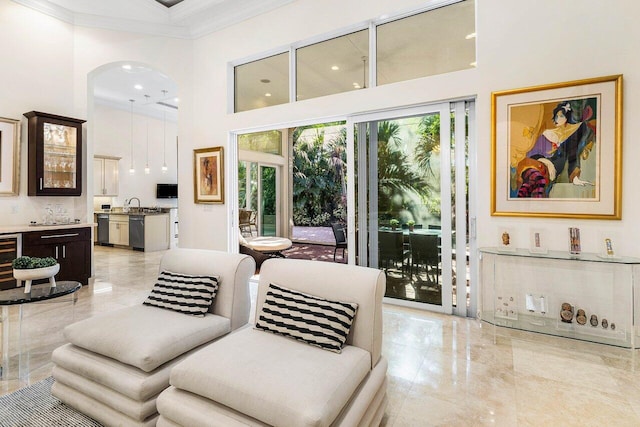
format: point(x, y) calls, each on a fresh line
point(30, 274)
point(411, 227)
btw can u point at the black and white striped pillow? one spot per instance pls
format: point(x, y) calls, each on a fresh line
point(314, 320)
point(183, 293)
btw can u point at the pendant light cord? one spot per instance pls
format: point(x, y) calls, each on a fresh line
point(131, 168)
point(164, 136)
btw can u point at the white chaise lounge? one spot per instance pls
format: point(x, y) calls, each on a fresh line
point(117, 363)
point(257, 378)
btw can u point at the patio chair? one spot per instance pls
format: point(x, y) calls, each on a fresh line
point(244, 221)
point(252, 221)
point(391, 249)
point(425, 252)
point(340, 234)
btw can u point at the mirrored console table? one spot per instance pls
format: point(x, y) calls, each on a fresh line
point(588, 297)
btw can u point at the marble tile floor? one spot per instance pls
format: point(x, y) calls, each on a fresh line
point(443, 370)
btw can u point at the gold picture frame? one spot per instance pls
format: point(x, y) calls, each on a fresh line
point(208, 175)
point(556, 150)
point(9, 157)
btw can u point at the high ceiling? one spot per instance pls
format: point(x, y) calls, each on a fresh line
point(187, 19)
point(154, 94)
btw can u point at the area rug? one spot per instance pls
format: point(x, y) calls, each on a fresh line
point(34, 406)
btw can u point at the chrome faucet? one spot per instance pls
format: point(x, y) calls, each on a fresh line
point(128, 203)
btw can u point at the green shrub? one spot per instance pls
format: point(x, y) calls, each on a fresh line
point(27, 262)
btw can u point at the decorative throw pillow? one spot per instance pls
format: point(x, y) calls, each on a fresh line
point(308, 318)
point(183, 293)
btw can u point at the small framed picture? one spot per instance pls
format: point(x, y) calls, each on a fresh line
point(505, 240)
point(537, 243)
point(208, 175)
point(607, 249)
point(574, 241)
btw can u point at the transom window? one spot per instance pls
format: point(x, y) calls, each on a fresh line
point(435, 41)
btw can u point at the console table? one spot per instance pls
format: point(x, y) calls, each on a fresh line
point(544, 293)
point(10, 368)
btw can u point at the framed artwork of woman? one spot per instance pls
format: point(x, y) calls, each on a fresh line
point(556, 150)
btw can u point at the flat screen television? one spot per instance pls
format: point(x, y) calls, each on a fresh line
point(166, 191)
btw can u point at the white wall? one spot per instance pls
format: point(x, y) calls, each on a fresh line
point(36, 74)
point(518, 45)
point(557, 42)
point(112, 132)
point(48, 68)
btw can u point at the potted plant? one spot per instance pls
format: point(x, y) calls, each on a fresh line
point(33, 268)
point(411, 223)
point(394, 223)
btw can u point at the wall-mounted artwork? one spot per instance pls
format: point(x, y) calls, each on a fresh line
point(208, 175)
point(9, 157)
point(556, 150)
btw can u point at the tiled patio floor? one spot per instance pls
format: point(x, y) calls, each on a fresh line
point(320, 235)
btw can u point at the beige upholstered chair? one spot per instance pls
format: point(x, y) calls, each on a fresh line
point(117, 363)
point(262, 378)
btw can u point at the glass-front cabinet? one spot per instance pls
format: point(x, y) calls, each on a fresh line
point(55, 155)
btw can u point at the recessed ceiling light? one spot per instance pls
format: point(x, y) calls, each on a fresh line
point(176, 99)
point(126, 67)
point(267, 94)
point(473, 64)
point(265, 81)
point(335, 68)
point(139, 87)
point(470, 36)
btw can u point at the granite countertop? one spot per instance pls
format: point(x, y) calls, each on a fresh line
point(24, 228)
point(132, 213)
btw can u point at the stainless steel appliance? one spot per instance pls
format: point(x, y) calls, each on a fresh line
point(103, 229)
point(136, 232)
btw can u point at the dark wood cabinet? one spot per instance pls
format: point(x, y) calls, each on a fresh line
point(55, 155)
point(70, 246)
point(8, 252)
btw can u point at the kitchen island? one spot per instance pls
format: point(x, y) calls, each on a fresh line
point(139, 229)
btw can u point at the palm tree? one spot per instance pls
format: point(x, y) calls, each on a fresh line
point(428, 143)
point(319, 186)
point(396, 176)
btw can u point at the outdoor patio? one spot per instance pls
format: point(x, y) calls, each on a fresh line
point(314, 243)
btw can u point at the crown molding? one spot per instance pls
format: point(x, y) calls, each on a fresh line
point(190, 19)
point(227, 16)
point(48, 9)
point(187, 9)
point(132, 26)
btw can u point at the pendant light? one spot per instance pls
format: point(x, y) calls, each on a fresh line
point(132, 170)
point(147, 171)
point(164, 137)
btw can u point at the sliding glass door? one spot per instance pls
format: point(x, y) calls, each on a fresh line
point(268, 200)
point(259, 195)
point(411, 202)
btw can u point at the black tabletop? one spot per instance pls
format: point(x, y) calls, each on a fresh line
point(40, 292)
